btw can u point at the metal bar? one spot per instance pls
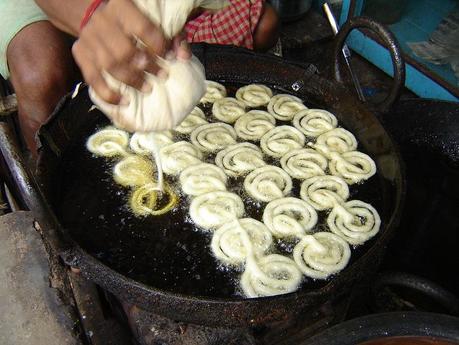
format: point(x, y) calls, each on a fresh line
point(26, 190)
point(346, 53)
point(99, 329)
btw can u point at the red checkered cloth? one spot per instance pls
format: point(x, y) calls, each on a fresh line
point(235, 24)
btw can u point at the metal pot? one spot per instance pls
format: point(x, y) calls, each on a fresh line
point(74, 119)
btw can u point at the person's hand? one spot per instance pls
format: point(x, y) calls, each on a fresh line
point(109, 43)
point(180, 47)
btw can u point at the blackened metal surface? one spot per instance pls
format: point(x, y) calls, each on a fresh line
point(429, 125)
point(100, 326)
point(243, 67)
point(384, 325)
point(390, 42)
point(405, 292)
point(428, 134)
point(27, 192)
point(151, 329)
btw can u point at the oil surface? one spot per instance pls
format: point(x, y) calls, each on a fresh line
point(166, 252)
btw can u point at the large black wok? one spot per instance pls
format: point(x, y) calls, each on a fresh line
point(62, 139)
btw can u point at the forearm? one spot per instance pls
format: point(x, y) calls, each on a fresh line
point(66, 15)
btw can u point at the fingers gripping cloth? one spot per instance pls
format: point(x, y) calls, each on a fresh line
point(174, 95)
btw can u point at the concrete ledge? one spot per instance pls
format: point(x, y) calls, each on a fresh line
point(30, 311)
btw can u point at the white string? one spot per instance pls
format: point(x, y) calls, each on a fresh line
point(304, 163)
point(202, 178)
point(228, 109)
point(268, 183)
point(145, 143)
point(211, 210)
point(108, 142)
point(352, 166)
point(280, 140)
point(289, 217)
point(284, 107)
point(133, 171)
point(254, 124)
point(337, 140)
point(254, 95)
point(191, 122)
point(229, 247)
point(269, 276)
point(355, 221)
point(213, 137)
point(314, 122)
point(178, 156)
point(322, 254)
point(239, 159)
point(324, 192)
point(214, 91)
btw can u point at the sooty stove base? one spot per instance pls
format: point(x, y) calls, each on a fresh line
point(108, 321)
point(152, 329)
point(105, 320)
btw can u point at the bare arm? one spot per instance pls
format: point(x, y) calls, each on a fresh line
point(65, 15)
point(108, 42)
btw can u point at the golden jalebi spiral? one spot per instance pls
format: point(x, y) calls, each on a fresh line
point(254, 124)
point(322, 254)
point(324, 192)
point(304, 163)
point(133, 171)
point(228, 109)
point(280, 140)
point(214, 91)
point(352, 166)
point(355, 221)
point(268, 183)
point(178, 156)
point(213, 137)
point(239, 159)
point(202, 178)
point(284, 107)
point(254, 95)
point(147, 200)
point(211, 210)
point(108, 142)
point(228, 244)
point(289, 217)
point(270, 275)
point(314, 122)
point(337, 140)
point(191, 122)
point(147, 143)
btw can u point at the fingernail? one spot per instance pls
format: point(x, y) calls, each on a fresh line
point(141, 61)
point(184, 51)
point(124, 101)
point(170, 55)
point(162, 74)
point(146, 88)
point(184, 44)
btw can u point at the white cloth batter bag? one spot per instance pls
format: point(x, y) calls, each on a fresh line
point(172, 97)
